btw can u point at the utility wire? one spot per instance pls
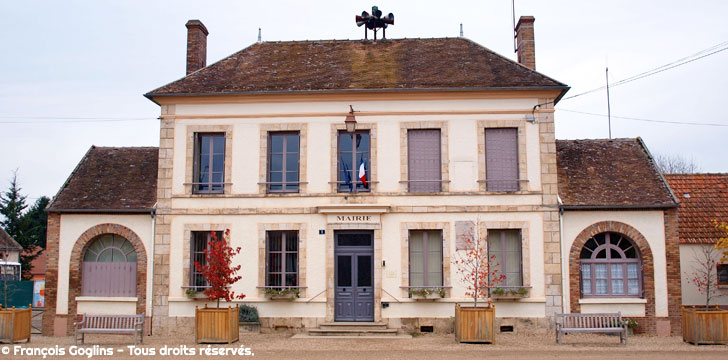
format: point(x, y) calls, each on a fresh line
point(685, 60)
point(63, 120)
point(671, 65)
point(646, 120)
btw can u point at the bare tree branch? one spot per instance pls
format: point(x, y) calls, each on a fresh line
point(676, 164)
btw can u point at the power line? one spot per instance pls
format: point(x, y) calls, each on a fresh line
point(62, 120)
point(671, 65)
point(646, 120)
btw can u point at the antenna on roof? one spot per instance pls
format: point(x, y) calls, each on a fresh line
point(609, 106)
point(260, 39)
point(515, 34)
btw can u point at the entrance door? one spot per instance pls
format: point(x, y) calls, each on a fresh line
point(354, 276)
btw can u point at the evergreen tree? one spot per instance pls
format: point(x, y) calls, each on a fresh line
point(36, 222)
point(12, 205)
point(17, 225)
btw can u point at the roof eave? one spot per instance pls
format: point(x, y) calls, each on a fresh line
point(563, 90)
point(150, 96)
point(102, 211)
point(620, 207)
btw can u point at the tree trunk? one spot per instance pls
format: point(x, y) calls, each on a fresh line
point(707, 295)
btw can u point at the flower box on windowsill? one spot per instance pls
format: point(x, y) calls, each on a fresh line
point(426, 293)
point(282, 294)
point(195, 293)
point(516, 293)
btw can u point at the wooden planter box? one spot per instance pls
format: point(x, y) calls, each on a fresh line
point(475, 324)
point(705, 326)
point(217, 326)
point(15, 324)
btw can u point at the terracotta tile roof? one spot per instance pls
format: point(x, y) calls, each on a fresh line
point(38, 265)
point(7, 242)
point(617, 173)
point(111, 179)
point(703, 198)
point(336, 65)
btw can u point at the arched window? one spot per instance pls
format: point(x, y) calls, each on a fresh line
point(610, 266)
point(109, 267)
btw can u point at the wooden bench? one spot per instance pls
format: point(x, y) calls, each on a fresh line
point(591, 323)
point(110, 324)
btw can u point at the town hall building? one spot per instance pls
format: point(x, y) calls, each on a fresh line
point(352, 174)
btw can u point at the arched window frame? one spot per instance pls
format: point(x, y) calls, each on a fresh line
point(109, 267)
point(119, 245)
point(627, 253)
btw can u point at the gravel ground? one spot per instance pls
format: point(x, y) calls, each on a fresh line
point(279, 346)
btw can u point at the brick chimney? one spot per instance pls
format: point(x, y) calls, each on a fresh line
point(196, 45)
point(526, 43)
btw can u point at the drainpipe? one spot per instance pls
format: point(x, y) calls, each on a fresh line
point(150, 297)
point(565, 305)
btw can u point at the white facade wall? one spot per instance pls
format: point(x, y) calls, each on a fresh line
point(690, 258)
point(651, 225)
point(72, 227)
point(242, 209)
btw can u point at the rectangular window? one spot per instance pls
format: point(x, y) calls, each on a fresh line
point(501, 159)
point(722, 274)
point(425, 258)
point(283, 152)
point(352, 155)
point(504, 252)
point(10, 272)
point(199, 243)
point(281, 259)
point(209, 167)
point(423, 160)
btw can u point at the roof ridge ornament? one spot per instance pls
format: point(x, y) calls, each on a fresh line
point(374, 22)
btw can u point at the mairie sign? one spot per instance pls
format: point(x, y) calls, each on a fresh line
point(354, 219)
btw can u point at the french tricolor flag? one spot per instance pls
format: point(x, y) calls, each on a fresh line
point(363, 173)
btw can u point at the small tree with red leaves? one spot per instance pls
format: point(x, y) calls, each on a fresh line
point(474, 270)
point(705, 272)
point(218, 269)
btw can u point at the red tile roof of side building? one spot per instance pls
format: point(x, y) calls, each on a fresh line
point(609, 174)
point(703, 200)
point(38, 265)
point(346, 65)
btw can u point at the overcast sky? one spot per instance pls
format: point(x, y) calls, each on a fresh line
point(91, 61)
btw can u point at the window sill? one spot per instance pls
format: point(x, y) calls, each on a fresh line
point(612, 300)
point(211, 194)
point(105, 298)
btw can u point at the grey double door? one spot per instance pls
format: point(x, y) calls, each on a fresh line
point(354, 276)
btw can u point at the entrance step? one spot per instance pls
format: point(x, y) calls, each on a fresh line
point(387, 337)
point(353, 326)
point(353, 329)
point(360, 332)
